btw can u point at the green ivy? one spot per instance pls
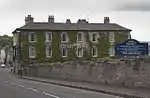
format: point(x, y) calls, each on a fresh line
point(103, 46)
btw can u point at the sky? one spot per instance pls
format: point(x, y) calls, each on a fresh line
point(133, 14)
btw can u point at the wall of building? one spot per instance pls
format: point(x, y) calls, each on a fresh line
point(131, 73)
point(103, 46)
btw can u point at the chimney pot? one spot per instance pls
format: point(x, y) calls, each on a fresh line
point(106, 20)
point(51, 19)
point(68, 21)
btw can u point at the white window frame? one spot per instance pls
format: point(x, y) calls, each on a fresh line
point(66, 52)
point(96, 39)
point(82, 37)
point(47, 51)
point(111, 37)
point(47, 36)
point(77, 52)
point(129, 35)
point(30, 36)
point(111, 51)
point(30, 50)
point(64, 33)
point(95, 53)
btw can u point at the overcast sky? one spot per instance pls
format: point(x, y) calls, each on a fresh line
point(133, 14)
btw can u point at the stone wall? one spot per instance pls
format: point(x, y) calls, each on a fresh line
point(131, 73)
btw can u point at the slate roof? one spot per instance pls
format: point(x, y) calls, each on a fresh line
point(73, 26)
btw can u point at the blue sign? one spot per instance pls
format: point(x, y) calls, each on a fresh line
point(131, 47)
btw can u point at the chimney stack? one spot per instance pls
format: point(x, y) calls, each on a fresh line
point(82, 21)
point(51, 19)
point(106, 20)
point(68, 21)
point(29, 19)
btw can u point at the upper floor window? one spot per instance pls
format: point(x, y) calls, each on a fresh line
point(111, 37)
point(48, 37)
point(32, 37)
point(80, 36)
point(48, 51)
point(64, 37)
point(32, 52)
point(94, 37)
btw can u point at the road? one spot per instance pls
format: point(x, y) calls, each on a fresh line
point(13, 87)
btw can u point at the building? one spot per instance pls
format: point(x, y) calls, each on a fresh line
point(57, 42)
point(148, 45)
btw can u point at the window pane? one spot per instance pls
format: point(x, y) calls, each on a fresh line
point(64, 37)
point(64, 52)
point(111, 37)
point(32, 37)
point(94, 52)
point(32, 51)
point(79, 52)
point(48, 51)
point(79, 36)
point(49, 36)
point(93, 37)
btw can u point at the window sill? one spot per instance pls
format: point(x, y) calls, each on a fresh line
point(31, 57)
point(64, 56)
point(48, 56)
point(32, 41)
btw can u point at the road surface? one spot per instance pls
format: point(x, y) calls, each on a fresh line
point(13, 87)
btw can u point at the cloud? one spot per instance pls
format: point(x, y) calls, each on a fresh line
point(57, 5)
point(134, 5)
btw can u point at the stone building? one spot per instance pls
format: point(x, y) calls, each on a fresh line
point(58, 42)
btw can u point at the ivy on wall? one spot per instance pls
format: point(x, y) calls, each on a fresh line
point(103, 46)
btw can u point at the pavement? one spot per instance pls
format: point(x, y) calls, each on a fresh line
point(13, 87)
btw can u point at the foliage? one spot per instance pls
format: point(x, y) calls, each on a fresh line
point(5, 40)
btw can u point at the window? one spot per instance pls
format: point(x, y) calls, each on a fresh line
point(64, 52)
point(48, 51)
point(111, 37)
point(94, 52)
point(94, 37)
point(111, 51)
point(80, 37)
point(48, 37)
point(129, 36)
point(32, 37)
point(64, 37)
point(79, 52)
point(32, 52)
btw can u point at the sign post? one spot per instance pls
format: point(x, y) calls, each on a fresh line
point(131, 48)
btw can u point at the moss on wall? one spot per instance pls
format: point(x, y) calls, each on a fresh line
point(40, 45)
point(56, 53)
point(120, 37)
point(25, 45)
